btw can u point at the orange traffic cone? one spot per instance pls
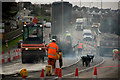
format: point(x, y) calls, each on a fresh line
point(42, 73)
point(6, 45)
point(76, 72)
point(57, 67)
point(95, 72)
point(59, 73)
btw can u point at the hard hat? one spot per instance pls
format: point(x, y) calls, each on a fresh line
point(54, 40)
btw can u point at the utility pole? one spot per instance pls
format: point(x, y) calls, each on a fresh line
point(101, 4)
point(98, 41)
point(80, 3)
point(62, 16)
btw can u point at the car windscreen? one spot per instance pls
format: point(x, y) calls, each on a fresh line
point(87, 33)
point(33, 32)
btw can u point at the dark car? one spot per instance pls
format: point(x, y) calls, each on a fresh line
point(19, 43)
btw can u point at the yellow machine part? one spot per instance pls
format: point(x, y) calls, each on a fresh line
point(33, 49)
point(59, 55)
point(48, 70)
point(24, 72)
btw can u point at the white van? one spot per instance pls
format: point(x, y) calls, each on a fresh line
point(87, 35)
point(48, 24)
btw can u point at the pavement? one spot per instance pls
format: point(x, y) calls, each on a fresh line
point(16, 66)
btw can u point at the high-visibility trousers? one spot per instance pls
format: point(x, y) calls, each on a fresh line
point(51, 62)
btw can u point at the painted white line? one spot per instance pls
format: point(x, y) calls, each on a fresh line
point(73, 63)
point(83, 69)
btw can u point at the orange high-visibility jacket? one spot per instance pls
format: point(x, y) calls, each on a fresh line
point(52, 50)
point(80, 45)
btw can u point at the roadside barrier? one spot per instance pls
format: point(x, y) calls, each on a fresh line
point(10, 56)
point(14, 57)
point(3, 60)
point(91, 44)
point(18, 53)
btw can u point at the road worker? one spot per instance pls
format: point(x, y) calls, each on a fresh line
point(79, 45)
point(116, 52)
point(52, 50)
point(60, 58)
point(67, 33)
point(68, 39)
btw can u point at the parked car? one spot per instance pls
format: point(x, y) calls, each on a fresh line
point(19, 44)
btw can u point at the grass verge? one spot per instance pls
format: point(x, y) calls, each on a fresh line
point(11, 44)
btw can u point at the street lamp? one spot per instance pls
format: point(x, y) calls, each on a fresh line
point(24, 8)
point(62, 15)
point(24, 11)
point(80, 3)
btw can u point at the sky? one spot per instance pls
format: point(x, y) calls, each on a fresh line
point(113, 4)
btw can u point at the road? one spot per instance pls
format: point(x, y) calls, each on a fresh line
point(89, 48)
point(16, 66)
point(108, 72)
point(65, 71)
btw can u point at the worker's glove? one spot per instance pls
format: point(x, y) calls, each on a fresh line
point(47, 49)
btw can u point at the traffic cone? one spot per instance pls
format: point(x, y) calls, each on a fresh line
point(57, 67)
point(59, 73)
point(18, 53)
point(76, 72)
point(6, 45)
point(42, 73)
point(95, 72)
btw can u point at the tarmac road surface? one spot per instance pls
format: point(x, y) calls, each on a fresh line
point(108, 72)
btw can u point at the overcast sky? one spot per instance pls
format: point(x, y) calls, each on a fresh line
point(113, 4)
